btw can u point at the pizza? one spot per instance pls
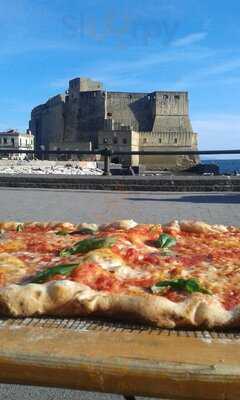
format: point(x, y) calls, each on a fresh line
point(182, 274)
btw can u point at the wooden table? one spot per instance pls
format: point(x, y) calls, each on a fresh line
point(113, 358)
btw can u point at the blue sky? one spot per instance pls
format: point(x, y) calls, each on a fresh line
point(129, 45)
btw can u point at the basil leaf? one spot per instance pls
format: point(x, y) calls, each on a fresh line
point(62, 269)
point(165, 241)
point(187, 285)
point(86, 245)
point(87, 231)
point(19, 228)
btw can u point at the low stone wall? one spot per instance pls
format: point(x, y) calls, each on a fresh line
point(127, 183)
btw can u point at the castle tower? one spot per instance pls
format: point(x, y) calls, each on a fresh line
point(84, 85)
point(171, 112)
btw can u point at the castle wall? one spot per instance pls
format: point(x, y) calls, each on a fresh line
point(47, 122)
point(171, 112)
point(169, 162)
point(171, 103)
point(131, 109)
point(165, 141)
point(120, 140)
point(84, 116)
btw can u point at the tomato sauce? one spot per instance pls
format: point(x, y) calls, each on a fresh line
point(2, 279)
point(193, 260)
point(96, 278)
point(141, 282)
point(231, 299)
point(152, 258)
point(175, 296)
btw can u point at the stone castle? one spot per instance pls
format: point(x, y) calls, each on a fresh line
point(87, 116)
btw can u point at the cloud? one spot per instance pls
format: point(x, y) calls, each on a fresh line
point(30, 46)
point(158, 58)
point(227, 66)
point(189, 39)
point(209, 83)
point(133, 72)
point(118, 74)
point(202, 75)
point(218, 131)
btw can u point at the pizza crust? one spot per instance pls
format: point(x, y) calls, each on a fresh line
point(68, 298)
point(120, 224)
point(201, 227)
point(13, 225)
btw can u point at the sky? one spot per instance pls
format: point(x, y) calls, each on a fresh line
point(130, 45)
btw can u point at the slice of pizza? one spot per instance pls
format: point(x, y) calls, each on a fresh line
point(180, 274)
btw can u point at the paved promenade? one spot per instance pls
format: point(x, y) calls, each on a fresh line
point(91, 206)
point(101, 206)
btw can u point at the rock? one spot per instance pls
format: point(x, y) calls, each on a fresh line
point(38, 168)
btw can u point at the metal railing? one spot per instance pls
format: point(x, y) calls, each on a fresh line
point(107, 153)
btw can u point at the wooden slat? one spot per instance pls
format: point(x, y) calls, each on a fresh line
point(159, 365)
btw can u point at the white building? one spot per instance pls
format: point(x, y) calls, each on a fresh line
point(12, 139)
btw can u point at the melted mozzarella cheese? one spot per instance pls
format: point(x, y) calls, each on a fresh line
point(121, 224)
point(109, 261)
point(91, 227)
point(12, 267)
point(9, 262)
point(126, 272)
point(105, 258)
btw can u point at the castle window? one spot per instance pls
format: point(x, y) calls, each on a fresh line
point(160, 140)
point(165, 97)
point(109, 114)
point(175, 140)
point(115, 140)
point(12, 140)
point(105, 140)
point(144, 140)
point(5, 140)
point(149, 97)
point(176, 97)
point(124, 141)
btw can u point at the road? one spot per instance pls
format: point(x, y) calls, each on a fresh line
point(99, 206)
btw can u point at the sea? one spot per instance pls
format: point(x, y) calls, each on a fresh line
point(225, 166)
